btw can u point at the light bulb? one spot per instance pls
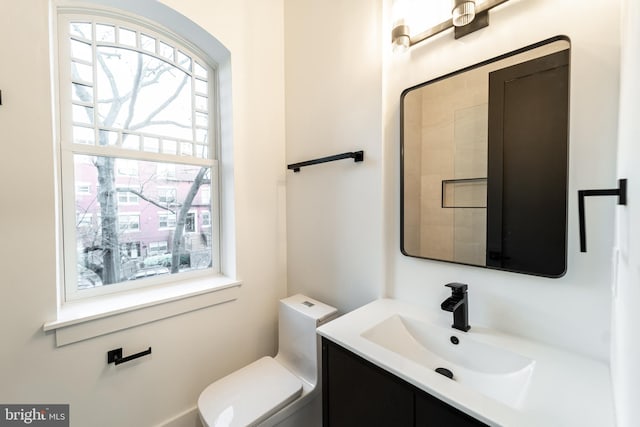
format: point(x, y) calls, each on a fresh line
point(400, 40)
point(463, 12)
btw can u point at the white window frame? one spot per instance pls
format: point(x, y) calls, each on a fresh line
point(80, 320)
point(124, 156)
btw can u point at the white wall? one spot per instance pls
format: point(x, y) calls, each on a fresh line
point(335, 248)
point(572, 312)
point(335, 212)
point(626, 316)
point(190, 350)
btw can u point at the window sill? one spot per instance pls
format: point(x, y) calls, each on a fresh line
point(81, 320)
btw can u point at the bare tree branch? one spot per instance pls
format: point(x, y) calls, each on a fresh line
point(164, 105)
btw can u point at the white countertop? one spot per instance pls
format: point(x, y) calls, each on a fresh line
point(566, 389)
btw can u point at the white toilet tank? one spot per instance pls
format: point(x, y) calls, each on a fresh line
point(270, 390)
point(298, 347)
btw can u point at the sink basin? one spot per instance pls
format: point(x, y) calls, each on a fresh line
point(493, 371)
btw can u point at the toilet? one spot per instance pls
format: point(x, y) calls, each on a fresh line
point(270, 389)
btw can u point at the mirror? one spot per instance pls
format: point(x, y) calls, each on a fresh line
point(484, 163)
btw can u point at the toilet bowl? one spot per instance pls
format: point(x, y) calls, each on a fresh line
point(271, 389)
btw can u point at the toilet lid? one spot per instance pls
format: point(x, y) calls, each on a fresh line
point(249, 395)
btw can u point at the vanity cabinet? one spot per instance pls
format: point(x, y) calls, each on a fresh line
point(355, 392)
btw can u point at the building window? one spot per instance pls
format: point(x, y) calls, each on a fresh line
point(83, 220)
point(130, 250)
point(128, 223)
point(206, 219)
point(83, 189)
point(205, 194)
point(167, 220)
point(190, 223)
point(158, 248)
point(127, 196)
point(167, 195)
point(127, 167)
point(136, 110)
point(166, 172)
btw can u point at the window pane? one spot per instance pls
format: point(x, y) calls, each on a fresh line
point(147, 43)
point(82, 93)
point(202, 119)
point(108, 137)
point(166, 51)
point(186, 149)
point(201, 135)
point(184, 61)
point(82, 114)
point(121, 236)
point(81, 72)
point(81, 50)
point(130, 141)
point(80, 29)
point(201, 103)
point(105, 33)
point(201, 87)
point(202, 151)
point(83, 135)
point(151, 145)
point(162, 94)
point(169, 147)
point(200, 71)
point(127, 37)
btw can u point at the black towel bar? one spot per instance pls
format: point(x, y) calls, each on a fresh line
point(357, 156)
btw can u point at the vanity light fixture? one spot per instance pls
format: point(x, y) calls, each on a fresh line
point(467, 16)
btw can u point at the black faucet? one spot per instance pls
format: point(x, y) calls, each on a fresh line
point(458, 304)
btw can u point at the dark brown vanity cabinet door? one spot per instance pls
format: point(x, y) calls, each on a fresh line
point(357, 393)
point(431, 412)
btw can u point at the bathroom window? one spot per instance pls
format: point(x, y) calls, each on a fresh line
point(138, 124)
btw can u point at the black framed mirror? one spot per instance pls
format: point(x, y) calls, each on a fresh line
point(484, 159)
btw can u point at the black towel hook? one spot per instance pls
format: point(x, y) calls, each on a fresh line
point(621, 192)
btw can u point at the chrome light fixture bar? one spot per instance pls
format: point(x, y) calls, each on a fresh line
point(465, 18)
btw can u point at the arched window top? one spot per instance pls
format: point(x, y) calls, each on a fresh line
point(135, 88)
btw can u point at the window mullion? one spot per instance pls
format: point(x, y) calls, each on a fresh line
point(94, 70)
